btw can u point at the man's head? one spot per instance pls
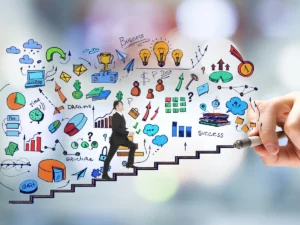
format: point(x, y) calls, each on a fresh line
point(118, 106)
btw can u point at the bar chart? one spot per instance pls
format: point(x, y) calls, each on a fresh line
point(34, 145)
point(183, 131)
point(104, 123)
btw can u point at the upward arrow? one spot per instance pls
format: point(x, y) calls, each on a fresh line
point(156, 111)
point(181, 78)
point(24, 142)
point(93, 115)
point(220, 63)
point(227, 67)
point(147, 112)
point(213, 66)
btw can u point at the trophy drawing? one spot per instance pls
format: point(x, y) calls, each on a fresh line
point(105, 58)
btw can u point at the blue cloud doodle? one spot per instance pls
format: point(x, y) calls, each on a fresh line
point(94, 50)
point(160, 140)
point(236, 106)
point(32, 44)
point(150, 129)
point(26, 60)
point(13, 50)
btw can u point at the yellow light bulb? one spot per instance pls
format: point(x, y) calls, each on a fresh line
point(177, 55)
point(145, 55)
point(161, 49)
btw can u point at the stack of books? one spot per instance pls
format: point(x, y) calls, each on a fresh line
point(98, 94)
point(214, 119)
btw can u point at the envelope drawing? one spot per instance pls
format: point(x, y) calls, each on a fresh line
point(65, 77)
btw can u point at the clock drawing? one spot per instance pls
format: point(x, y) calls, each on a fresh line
point(36, 115)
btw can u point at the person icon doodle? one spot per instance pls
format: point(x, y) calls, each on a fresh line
point(136, 91)
point(150, 94)
point(160, 86)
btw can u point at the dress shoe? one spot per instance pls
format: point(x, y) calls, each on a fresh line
point(106, 177)
point(130, 166)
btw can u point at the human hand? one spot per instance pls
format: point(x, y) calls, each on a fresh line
point(284, 112)
point(131, 133)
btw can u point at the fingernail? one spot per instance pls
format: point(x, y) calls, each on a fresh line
point(271, 148)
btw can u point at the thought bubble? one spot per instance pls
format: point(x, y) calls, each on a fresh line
point(160, 140)
point(236, 106)
point(150, 129)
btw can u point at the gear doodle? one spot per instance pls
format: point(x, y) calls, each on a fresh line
point(96, 173)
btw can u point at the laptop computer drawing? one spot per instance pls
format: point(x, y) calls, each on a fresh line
point(35, 78)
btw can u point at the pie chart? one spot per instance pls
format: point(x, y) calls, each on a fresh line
point(75, 124)
point(16, 101)
point(51, 170)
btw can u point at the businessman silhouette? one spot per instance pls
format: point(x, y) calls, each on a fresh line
point(119, 137)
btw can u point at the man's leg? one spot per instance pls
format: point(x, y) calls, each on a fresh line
point(132, 148)
point(112, 151)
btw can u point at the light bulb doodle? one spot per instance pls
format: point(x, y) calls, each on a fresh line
point(161, 49)
point(145, 55)
point(177, 55)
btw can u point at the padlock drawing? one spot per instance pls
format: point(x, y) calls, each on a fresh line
point(102, 155)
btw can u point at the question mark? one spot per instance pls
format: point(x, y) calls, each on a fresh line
point(104, 135)
point(190, 94)
point(203, 69)
point(90, 134)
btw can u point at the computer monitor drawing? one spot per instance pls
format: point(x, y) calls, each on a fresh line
point(35, 78)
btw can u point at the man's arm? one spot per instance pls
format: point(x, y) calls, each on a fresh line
point(116, 126)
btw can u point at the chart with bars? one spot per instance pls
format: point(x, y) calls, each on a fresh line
point(34, 145)
point(183, 131)
point(175, 104)
point(105, 122)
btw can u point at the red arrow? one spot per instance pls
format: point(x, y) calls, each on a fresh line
point(213, 66)
point(221, 63)
point(156, 111)
point(147, 112)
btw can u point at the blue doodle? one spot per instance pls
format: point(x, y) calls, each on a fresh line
point(102, 169)
point(28, 187)
point(94, 50)
point(150, 129)
point(86, 50)
point(13, 50)
point(236, 106)
point(32, 44)
point(160, 140)
point(26, 60)
point(124, 163)
point(203, 106)
point(39, 61)
point(215, 103)
point(129, 66)
point(204, 88)
point(96, 173)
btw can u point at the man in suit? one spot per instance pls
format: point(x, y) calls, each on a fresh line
point(119, 137)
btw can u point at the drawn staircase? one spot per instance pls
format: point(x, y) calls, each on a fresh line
point(115, 175)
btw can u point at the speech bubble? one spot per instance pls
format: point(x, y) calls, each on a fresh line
point(204, 88)
point(160, 140)
point(236, 106)
point(150, 129)
point(28, 186)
